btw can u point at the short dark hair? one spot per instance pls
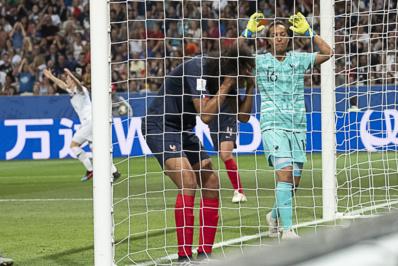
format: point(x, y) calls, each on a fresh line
point(288, 31)
point(232, 59)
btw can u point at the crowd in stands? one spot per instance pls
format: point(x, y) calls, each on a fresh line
point(42, 34)
point(150, 38)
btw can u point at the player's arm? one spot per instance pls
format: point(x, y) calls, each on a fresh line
point(207, 108)
point(75, 80)
point(301, 26)
point(244, 106)
point(57, 81)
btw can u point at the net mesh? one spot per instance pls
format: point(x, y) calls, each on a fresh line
point(365, 45)
point(151, 38)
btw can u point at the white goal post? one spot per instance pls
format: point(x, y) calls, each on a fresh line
point(328, 115)
point(102, 119)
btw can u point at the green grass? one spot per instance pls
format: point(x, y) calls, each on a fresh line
point(48, 218)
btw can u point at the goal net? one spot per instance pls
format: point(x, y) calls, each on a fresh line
point(352, 163)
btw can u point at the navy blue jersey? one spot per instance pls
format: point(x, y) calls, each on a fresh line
point(172, 108)
point(225, 118)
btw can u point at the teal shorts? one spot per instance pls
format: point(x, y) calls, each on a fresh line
point(284, 144)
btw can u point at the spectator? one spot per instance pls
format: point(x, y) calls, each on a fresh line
point(27, 47)
point(26, 77)
point(36, 56)
point(69, 34)
point(78, 45)
point(56, 20)
point(36, 90)
point(17, 34)
point(60, 65)
point(5, 64)
point(136, 44)
point(75, 8)
point(137, 66)
point(213, 30)
point(174, 34)
point(34, 15)
point(15, 58)
point(7, 88)
point(47, 29)
point(154, 88)
point(53, 53)
point(70, 61)
point(267, 11)
point(45, 86)
point(195, 30)
point(134, 86)
point(80, 67)
point(156, 33)
point(84, 17)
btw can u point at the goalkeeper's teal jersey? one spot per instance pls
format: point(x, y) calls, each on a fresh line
point(281, 87)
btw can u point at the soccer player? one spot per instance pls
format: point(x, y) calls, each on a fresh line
point(223, 131)
point(280, 78)
point(196, 87)
point(80, 100)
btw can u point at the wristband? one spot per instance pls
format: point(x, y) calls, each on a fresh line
point(247, 33)
point(310, 33)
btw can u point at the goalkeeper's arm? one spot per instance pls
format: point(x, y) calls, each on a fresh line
point(301, 26)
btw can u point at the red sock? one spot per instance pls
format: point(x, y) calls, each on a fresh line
point(184, 222)
point(208, 217)
point(232, 171)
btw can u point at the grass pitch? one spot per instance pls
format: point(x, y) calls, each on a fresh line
point(48, 212)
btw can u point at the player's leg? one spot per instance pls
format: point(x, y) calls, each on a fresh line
point(82, 156)
point(167, 149)
point(83, 134)
point(181, 173)
point(208, 181)
point(226, 148)
point(115, 172)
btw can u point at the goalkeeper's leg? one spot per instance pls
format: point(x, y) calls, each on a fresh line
point(288, 181)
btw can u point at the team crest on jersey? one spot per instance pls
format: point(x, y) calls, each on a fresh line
point(200, 84)
point(173, 147)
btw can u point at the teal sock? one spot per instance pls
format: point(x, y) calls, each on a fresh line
point(284, 200)
point(274, 211)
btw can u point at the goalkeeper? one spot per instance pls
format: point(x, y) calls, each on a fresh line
point(280, 79)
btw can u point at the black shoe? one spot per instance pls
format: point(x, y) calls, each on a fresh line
point(185, 258)
point(204, 256)
point(116, 175)
point(89, 175)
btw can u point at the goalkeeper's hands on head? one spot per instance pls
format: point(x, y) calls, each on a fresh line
point(253, 25)
point(301, 26)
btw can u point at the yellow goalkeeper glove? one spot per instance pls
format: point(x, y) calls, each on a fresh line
point(300, 25)
point(253, 25)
